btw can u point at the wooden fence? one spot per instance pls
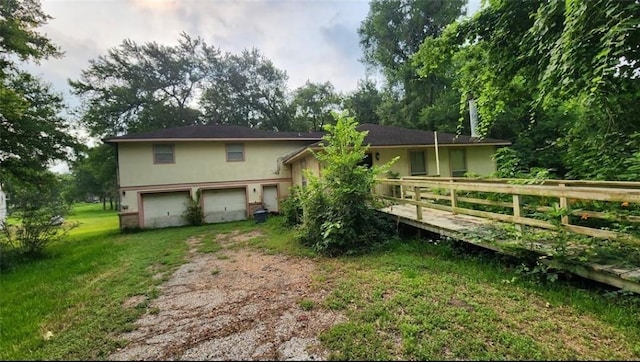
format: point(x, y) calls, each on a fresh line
point(515, 201)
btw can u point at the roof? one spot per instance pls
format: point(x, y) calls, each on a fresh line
point(381, 135)
point(390, 136)
point(212, 133)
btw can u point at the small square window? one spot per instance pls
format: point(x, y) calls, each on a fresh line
point(163, 154)
point(235, 152)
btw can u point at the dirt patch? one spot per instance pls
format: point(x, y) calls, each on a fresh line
point(243, 306)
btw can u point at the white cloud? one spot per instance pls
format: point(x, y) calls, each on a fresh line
point(295, 35)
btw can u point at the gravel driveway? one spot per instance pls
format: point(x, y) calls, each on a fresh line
point(234, 304)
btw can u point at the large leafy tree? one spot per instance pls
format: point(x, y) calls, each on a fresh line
point(364, 102)
point(562, 72)
point(94, 174)
point(32, 131)
point(247, 90)
point(136, 88)
point(142, 87)
point(313, 104)
point(390, 34)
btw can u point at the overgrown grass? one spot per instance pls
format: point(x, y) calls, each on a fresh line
point(417, 300)
point(411, 300)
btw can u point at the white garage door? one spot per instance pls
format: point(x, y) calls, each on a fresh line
point(164, 209)
point(224, 205)
point(270, 198)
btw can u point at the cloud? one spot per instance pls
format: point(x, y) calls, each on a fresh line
point(314, 40)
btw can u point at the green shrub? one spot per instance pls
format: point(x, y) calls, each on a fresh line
point(339, 210)
point(193, 214)
point(291, 207)
point(37, 219)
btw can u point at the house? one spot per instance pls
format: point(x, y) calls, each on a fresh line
point(236, 170)
point(422, 153)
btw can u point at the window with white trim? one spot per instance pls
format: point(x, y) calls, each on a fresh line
point(163, 153)
point(235, 152)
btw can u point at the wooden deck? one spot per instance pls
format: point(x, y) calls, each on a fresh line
point(459, 226)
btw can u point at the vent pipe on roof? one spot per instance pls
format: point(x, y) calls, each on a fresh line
point(473, 117)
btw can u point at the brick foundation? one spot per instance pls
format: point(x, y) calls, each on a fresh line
point(129, 220)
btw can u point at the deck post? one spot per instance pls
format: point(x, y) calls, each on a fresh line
point(402, 191)
point(563, 204)
point(419, 199)
point(517, 211)
point(454, 199)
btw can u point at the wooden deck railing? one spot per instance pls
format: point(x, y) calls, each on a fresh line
point(522, 204)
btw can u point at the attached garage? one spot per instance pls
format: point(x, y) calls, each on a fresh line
point(223, 205)
point(270, 198)
point(164, 209)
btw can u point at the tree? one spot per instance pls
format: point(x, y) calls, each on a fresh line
point(391, 33)
point(313, 104)
point(95, 175)
point(137, 88)
point(32, 131)
point(564, 72)
point(247, 90)
point(339, 208)
point(363, 103)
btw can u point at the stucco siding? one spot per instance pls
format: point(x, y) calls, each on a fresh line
point(478, 160)
point(202, 162)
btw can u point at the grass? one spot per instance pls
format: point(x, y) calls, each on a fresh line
point(422, 301)
point(411, 300)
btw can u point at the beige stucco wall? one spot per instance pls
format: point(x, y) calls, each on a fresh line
point(309, 162)
point(203, 165)
point(478, 160)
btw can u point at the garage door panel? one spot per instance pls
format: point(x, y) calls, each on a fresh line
point(164, 209)
point(225, 205)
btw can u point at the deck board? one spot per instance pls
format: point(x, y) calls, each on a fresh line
point(456, 225)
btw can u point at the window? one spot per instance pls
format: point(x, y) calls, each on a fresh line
point(367, 161)
point(458, 162)
point(418, 163)
point(163, 154)
point(235, 152)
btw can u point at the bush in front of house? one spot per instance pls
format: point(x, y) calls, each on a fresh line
point(339, 210)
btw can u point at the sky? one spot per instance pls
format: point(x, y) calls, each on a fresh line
point(313, 40)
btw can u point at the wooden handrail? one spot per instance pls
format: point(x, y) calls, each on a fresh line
point(419, 189)
point(586, 183)
point(585, 193)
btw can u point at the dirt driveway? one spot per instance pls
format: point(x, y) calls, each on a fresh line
point(234, 304)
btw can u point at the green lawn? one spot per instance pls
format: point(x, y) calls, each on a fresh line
point(412, 300)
